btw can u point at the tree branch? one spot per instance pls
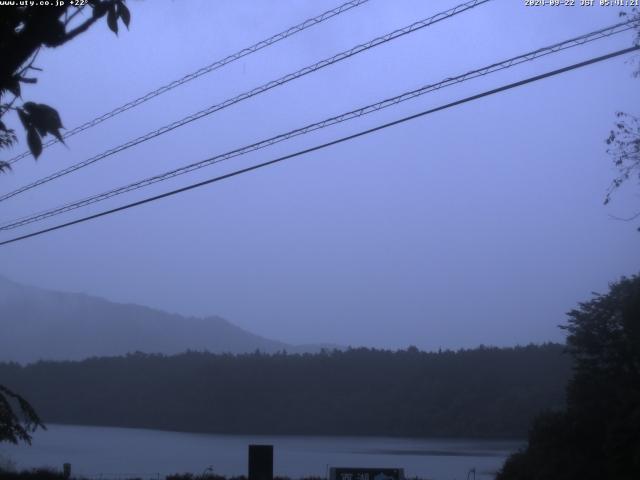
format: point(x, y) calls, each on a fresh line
point(68, 20)
point(83, 27)
point(30, 65)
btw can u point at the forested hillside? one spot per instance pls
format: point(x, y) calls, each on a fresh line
point(597, 434)
point(485, 392)
point(39, 324)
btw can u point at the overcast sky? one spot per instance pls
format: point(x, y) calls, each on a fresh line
point(482, 224)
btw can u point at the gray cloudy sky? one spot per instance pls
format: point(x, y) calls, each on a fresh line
point(479, 224)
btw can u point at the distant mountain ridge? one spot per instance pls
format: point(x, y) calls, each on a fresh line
point(38, 324)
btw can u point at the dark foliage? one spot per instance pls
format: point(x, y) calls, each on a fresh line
point(211, 476)
point(624, 139)
point(34, 474)
point(24, 31)
point(598, 435)
point(624, 147)
point(482, 392)
point(206, 476)
point(48, 474)
point(16, 423)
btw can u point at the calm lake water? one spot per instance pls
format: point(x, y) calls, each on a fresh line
point(97, 452)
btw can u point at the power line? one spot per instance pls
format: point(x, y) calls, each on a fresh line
point(256, 91)
point(529, 56)
point(203, 71)
point(328, 144)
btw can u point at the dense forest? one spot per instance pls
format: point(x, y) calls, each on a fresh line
point(597, 434)
point(484, 392)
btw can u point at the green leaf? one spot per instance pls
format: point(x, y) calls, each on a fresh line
point(35, 144)
point(124, 14)
point(44, 118)
point(99, 8)
point(24, 118)
point(112, 19)
point(49, 114)
point(56, 133)
point(36, 118)
point(28, 79)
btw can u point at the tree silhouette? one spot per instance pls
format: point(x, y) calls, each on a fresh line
point(16, 427)
point(624, 140)
point(598, 435)
point(24, 31)
point(484, 392)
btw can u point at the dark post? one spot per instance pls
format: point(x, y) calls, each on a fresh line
point(66, 470)
point(260, 462)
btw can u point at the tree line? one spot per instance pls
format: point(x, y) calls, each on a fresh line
point(597, 434)
point(483, 392)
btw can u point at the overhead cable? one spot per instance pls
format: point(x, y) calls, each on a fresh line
point(203, 71)
point(414, 27)
point(325, 145)
point(502, 65)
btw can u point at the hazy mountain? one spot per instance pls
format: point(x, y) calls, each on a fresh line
point(42, 324)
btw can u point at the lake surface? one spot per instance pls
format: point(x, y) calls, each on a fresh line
point(101, 452)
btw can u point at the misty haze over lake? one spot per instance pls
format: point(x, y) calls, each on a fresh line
point(390, 233)
point(481, 224)
point(114, 452)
